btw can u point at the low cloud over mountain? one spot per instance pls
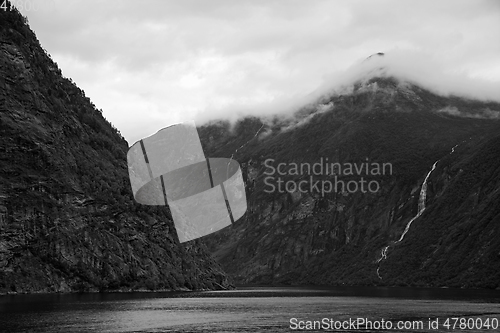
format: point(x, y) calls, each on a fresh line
point(173, 61)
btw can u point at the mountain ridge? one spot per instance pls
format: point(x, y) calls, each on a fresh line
point(68, 220)
point(297, 238)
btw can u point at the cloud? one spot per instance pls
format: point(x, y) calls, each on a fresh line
point(153, 63)
point(416, 67)
point(485, 113)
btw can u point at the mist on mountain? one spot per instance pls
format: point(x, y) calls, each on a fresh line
point(407, 66)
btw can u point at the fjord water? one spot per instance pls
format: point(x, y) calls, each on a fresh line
point(250, 309)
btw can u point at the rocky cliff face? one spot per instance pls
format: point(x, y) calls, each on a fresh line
point(301, 237)
point(68, 221)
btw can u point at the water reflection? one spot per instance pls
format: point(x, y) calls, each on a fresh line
point(242, 310)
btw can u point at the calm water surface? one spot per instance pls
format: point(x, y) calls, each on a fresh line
point(246, 310)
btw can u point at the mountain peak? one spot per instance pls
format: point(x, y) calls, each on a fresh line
point(378, 54)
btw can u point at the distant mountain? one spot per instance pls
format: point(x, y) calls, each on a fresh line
point(68, 220)
point(338, 238)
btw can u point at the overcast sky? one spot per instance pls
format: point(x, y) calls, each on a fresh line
point(149, 64)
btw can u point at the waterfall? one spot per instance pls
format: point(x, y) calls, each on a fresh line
point(421, 203)
point(421, 208)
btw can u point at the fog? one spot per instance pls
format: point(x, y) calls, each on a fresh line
point(421, 68)
point(409, 66)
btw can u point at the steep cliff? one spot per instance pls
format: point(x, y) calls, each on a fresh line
point(68, 220)
point(301, 235)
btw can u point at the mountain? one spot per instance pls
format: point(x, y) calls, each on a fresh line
point(440, 151)
point(68, 220)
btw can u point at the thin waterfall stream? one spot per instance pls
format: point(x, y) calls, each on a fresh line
point(421, 209)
